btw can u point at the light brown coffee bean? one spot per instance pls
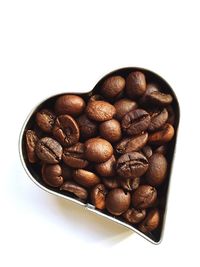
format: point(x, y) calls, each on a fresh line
point(31, 141)
point(162, 136)
point(107, 168)
point(110, 130)
point(98, 196)
point(113, 86)
point(100, 111)
point(69, 104)
point(98, 150)
point(85, 178)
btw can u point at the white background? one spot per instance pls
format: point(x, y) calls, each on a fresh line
point(48, 47)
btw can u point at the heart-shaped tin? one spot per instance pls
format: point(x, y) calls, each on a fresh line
point(34, 171)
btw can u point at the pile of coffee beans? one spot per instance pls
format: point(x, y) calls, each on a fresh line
point(107, 148)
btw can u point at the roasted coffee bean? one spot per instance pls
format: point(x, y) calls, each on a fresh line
point(158, 119)
point(76, 189)
point(121, 146)
point(130, 184)
point(69, 104)
point(74, 156)
point(161, 149)
point(87, 127)
point(106, 168)
point(98, 150)
point(98, 196)
point(85, 178)
point(45, 120)
point(157, 170)
point(111, 182)
point(135, 121)
point(159, 98)
point(134, 216)
point(66, 172)
point(113, 86)
point(117, 201)
point(31, 141)
point(144, 197)
point(100, 111)
point(135, 84)
point(132, 144)
point(147, 151)
point(162, 136)
point(49, 150)
point(151, 221)
point(66, 130)
point(110, 130)
point(123, 106)
point(151, 87)
point(52, 175)
point(133, 164)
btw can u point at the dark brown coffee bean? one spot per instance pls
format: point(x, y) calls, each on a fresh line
point(98, 196)
point(31, 141)
point(133, 164)
point(157, 170)
point(98, 150)
point(66, 130)
point(134, 216)
point(85, 178)
point(159, 98)
point(49, 150)
point(45, 120)
point(110, 130)
point(123, 106)
point(69, 104)
point(117, 201)
point(113, 86)
point(132, 144)
point(111, 182)
point(147, 151)
point(162, 136)
point(66, 172)
point(135, 121)
point(144, 197)
point(87, 127)
point(76, 189)
point(135, 84)
point(161, 149)
point(151, 87)
point(106, 168)
point(129, 184)
point(74, 157)
point(52, 175)
point(158, 119)
point(151, 222)
point(100, 111)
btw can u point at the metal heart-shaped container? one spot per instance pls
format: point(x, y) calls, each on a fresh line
point(34, 173)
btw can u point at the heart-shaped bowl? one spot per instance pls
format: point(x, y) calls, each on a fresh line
point(34, 172)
